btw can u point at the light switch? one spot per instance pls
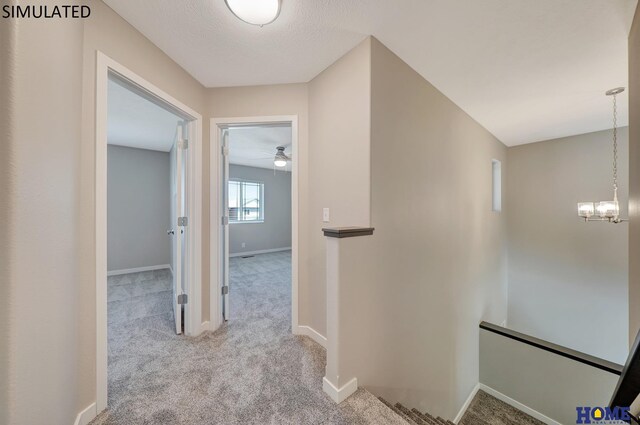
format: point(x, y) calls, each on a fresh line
point(325, 215)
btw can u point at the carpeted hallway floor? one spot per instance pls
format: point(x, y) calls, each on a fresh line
point(251, 371)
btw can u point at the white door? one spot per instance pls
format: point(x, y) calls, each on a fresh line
point(179, 225)
point(225, 224)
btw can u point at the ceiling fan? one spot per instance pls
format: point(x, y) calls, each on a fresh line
point(281, 159)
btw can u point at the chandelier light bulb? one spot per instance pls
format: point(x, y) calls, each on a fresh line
point(586, 209)
point(608, 209)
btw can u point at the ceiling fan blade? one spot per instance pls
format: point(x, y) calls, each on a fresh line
point(261, 158)
point(261, 152)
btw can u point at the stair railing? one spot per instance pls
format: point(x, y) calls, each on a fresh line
point(628, 387)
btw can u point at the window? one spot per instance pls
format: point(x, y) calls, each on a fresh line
point(245, 201)
point(496, 167)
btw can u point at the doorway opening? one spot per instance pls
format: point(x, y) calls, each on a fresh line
point(148, 162)
point(254, 217)
point(257, 206)
point(146, 181)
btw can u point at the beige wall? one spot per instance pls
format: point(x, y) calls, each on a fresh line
point(40, 265)
point(568, 280)
point(634, 177)
point(332, 159)
point(436, 269)
point(108, 32)
point(7, 147)
point(546, 382)
point(339, 174)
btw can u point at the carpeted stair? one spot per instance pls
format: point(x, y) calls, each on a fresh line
point(414, 416)
point(483, 410)
point(486, 409)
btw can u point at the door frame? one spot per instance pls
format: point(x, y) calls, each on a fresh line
point(216, 211)
point(193, 320)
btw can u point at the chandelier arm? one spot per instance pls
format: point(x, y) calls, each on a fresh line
point(608, 220)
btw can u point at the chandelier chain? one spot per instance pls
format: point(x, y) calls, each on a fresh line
point(607, 210)
point(615, 142)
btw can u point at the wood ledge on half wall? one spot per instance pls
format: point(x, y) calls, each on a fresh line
point(347, 232)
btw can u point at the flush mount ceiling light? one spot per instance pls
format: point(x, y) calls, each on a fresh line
point(281, 158)
point(255, 12)
point(607, 210)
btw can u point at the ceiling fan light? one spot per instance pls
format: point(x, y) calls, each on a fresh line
point(255, 12)
point(280, 160)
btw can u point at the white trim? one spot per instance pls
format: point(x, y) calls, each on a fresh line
point(311, 333)
point(215, 208)
point(466, 404)
point(102, 78)
point(261, 251)
point(87, 415)
point(526, 409)
point(205, 326)
point(193, 313)
point(139, 269)
point(247, 222)
point(341, 394)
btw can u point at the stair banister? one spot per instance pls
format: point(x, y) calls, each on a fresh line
point(340, 380)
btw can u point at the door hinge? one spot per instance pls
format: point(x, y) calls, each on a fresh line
point(183, 144)
point(183, 221)
point(225, 290)
point(225, 220)
point(182, 299)
point(225, 150)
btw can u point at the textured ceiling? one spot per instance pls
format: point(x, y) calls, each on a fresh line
point(255, 146)
point(136, 122)
point(527, 70)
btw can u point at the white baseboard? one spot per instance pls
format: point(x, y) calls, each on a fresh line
point(339, 394)
point(526, 409)
point(313, 334)
point(466, 404)
point(138, 269)
point(86, 415)
point(262, 251)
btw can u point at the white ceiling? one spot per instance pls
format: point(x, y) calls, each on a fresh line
point(255, 146)
point(527, 70)
point(136, 122)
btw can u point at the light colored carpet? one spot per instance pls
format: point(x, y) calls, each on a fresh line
point(483, 410)
point(251, 371)
point(488, 410)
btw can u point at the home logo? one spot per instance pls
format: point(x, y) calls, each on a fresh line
point(602, 415)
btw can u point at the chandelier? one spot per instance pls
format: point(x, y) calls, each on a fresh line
point(606, 210)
